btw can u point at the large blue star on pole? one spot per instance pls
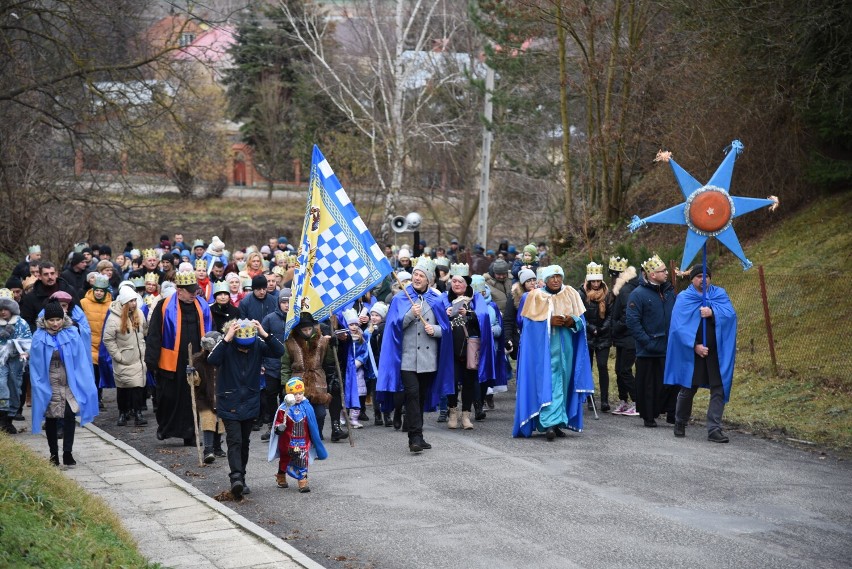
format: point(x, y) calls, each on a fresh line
point(709, 210)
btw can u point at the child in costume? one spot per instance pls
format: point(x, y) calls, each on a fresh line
point(295, 440)
point(63, 383)
point(357, 363)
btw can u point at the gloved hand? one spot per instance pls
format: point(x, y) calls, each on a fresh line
point(290, 399)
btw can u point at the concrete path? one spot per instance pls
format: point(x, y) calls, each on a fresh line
point(174, 523)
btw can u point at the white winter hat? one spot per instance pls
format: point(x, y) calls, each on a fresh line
point(126, 294)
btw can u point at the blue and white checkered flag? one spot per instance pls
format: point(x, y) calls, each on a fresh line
point(338, 259)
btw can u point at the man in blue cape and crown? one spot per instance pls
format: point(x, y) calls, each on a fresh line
point(554, 372)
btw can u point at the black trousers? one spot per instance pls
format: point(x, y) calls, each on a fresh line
point(624, 360)
point(51, 430)
point(416, 387)
point(130, 399)
point(652, 397)
point(269, 399)
point(467, 379)
point(237, 435)
point(601, 356)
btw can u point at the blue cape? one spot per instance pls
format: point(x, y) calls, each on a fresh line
point(317, 448)
point(355, 352)
point(501, 364)
point(107, 377)
point(534, 383)
point(390, 360)
point(487, 365)
point(680, 353)
point(78, 368)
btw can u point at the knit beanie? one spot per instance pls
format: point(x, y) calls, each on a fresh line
point(53, 310)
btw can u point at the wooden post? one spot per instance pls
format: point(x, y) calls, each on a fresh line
point(767, 320)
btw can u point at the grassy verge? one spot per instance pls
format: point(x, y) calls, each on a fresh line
point(48, 521)
point(804, 260)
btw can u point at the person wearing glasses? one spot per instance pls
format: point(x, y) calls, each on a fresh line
point(649, 312)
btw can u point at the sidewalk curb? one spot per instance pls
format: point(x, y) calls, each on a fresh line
point(236, 518)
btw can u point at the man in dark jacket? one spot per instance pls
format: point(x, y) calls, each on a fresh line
point(75, 274)
point(625, 347)
point(238, 357)
point(649, 312)
point(274, 324)
point(48, 283)
point(22, 269)
point(259, 303)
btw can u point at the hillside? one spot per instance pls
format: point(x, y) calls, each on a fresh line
point(803, 258)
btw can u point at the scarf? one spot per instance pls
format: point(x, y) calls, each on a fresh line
point(598, 296)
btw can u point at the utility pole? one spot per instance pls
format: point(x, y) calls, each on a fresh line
point(482, 230)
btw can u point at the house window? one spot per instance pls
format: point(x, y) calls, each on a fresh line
point(186, 39)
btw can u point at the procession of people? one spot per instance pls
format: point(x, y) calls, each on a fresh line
point(197, 334)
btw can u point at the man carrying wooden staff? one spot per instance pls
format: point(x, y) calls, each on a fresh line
point(417, 351)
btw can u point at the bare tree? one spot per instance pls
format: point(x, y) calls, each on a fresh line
point(376, 62)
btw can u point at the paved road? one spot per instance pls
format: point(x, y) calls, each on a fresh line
point(616, 495)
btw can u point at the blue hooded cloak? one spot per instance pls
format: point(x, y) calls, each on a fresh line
point(78, 369)
point(390, 360)
point(686, 318)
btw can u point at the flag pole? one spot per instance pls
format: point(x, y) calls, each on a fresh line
point(411, 300)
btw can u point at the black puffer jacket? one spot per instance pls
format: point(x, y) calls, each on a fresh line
point(624, 285)
point(597, 329)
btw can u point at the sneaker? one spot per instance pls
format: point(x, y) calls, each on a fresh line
point(631, 411)
point(209, 457)
point(620, 408)
point(442, 416)
point(267, 435)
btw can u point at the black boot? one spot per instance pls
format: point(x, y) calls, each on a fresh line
point(397, 419)
point(680, 429)
point(338, 433)
point(388, 420)
point(480, 412)
point(68, 459)
point(139, 419)
point(6, 424)
point(379, 422)
point(122, 420)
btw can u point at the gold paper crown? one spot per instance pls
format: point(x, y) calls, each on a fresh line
point(185, 278)
point(6, 293)
point(617, 264)
point(280, 271)
point(294, 385)
point(247, 331)
point(152, 278)
point(459, 270)
point(652, 264)
point(594, 272)
point(149, 253)
point(201, 264)
point(292, 261)
point(279, 254)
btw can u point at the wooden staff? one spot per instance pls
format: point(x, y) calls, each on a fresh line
point(191, 378)
point(411, 300)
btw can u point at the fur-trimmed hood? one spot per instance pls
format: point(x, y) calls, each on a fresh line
point(628, 275)
point(11, 305)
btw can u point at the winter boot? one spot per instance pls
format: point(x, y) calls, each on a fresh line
point(353, 419)
point(6, 424)
point(303, 485)
point(489, 400)
point(388, 420)
point(442, 416)
point(466, 424)
point(139, 419)
point(378, 420)
point(680, 429)
point(338, 433)
point(68, 459)
point(281, 480)
point(122, 420)
point(480, 412)
point(453, 418)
